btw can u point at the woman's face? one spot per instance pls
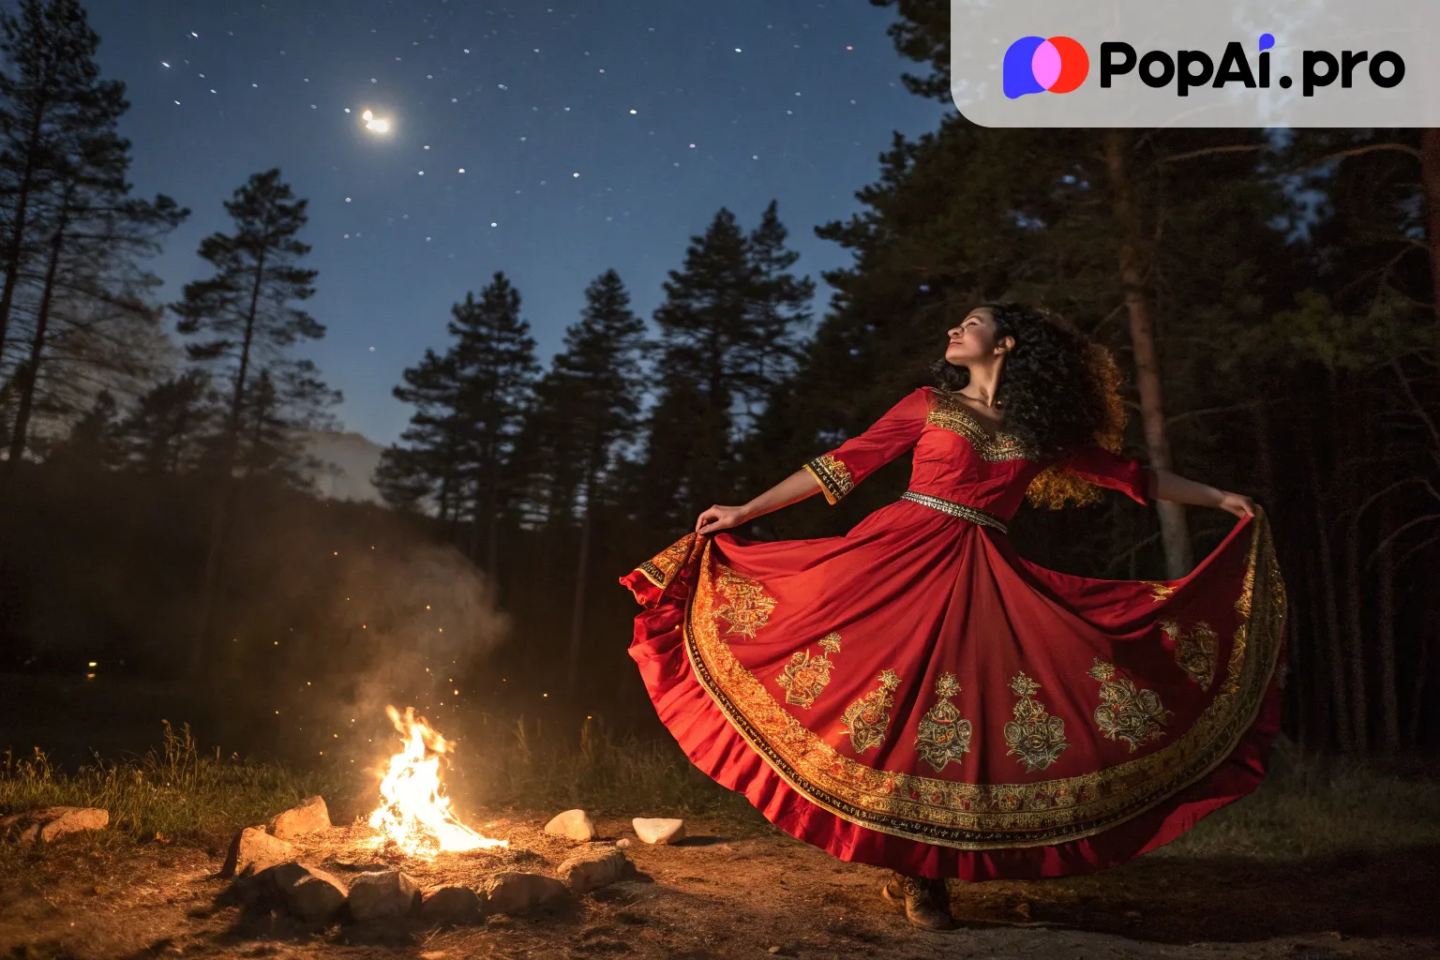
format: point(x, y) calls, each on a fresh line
point(972, 339)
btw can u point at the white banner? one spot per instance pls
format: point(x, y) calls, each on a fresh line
point(1196, 63)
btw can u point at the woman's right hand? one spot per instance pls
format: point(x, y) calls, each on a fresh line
point(719, 518)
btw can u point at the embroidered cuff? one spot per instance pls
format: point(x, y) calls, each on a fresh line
point(834, 477)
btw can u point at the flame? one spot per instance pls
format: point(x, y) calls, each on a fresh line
point(414, 813)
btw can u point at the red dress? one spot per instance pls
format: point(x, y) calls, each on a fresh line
point(915, 695)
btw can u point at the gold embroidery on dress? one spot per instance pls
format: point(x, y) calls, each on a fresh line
point(943, 736)
point(991, 816)
point(1196, 650)
point(868, 719)
point(1241, 641)
point(804, 677)
point(1034, 736)
point(1158, 591)
point(1127, 712)
point(951, 414)
point(749, 607)
point(661, 568)
point(834, 476)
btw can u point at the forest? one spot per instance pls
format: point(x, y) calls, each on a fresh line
point(1271, 295)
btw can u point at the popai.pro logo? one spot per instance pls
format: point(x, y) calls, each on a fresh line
point(1037, 65)
point(1060, 65)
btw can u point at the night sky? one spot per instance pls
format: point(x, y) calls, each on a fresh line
point(550, 141)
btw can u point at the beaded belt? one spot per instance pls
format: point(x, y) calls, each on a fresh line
point(973, 514)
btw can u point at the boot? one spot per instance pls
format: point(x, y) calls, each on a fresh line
point(927, 902)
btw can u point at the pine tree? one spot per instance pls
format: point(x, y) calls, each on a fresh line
point(166, 431)
point(585, 406)
point(426, 464)
point(728, 316)
point(779, 307)
point(248, 314)
point(92, 442)
point(95, 237)
point(495, 366)
point(470, 403)
point(50, 77)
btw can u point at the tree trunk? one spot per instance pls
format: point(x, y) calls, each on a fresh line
point(37, 342)
point(1417, 701)
point(1385, 636)
point(1334, 652)
point(1355, 639)
point(16, 246)
point(1297, 680)
point(220, 518)
point(577, 611)
point(1173, 529)
point(1430, 180)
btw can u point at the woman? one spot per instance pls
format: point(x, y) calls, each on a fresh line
point(917, 696)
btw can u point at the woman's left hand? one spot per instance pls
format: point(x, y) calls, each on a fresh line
point(1237, 503)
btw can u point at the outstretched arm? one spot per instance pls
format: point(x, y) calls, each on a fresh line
point(837, 472)
point(1147, 484)
point(800, 485)
point(1177, 489)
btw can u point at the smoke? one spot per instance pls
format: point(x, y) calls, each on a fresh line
point(402, 624)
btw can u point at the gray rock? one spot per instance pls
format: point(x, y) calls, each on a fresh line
point(253, 850)
point(518, 892)
point(310, 817)
point(659, 830)
point(452, 905)
point(52, 823)
point(588, 872)
point(572, 825)
point(310, 894)
point(384, 893)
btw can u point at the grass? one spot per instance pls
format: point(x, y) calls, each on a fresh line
point(1308, 807)
point(174, 792)
point(1314, 806)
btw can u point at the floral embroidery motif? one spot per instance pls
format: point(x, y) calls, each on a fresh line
point(804, 677)
point(868, 719)
point(834, 476)
point(1127, 712)
point(1034, 736)
point(1158, 591)
point(943, 736)
point(950, 413)
point(749, 607)
point(661, 568)
point(1196, 651)
point(990, 816)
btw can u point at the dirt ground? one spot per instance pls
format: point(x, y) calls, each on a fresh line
point(736, 890)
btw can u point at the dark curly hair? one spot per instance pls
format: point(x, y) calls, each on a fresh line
point(1059, 390)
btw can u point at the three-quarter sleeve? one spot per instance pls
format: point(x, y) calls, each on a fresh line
point(1103, 468)
point(896, 432)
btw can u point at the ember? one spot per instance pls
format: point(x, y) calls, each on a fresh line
point(414, 813)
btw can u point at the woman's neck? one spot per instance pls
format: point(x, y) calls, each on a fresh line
point(983, 382)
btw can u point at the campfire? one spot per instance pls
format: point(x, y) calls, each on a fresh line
point(414, 813)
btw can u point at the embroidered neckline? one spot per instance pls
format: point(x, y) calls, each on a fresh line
point(952, 414)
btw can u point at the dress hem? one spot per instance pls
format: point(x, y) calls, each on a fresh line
point(713, 742)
